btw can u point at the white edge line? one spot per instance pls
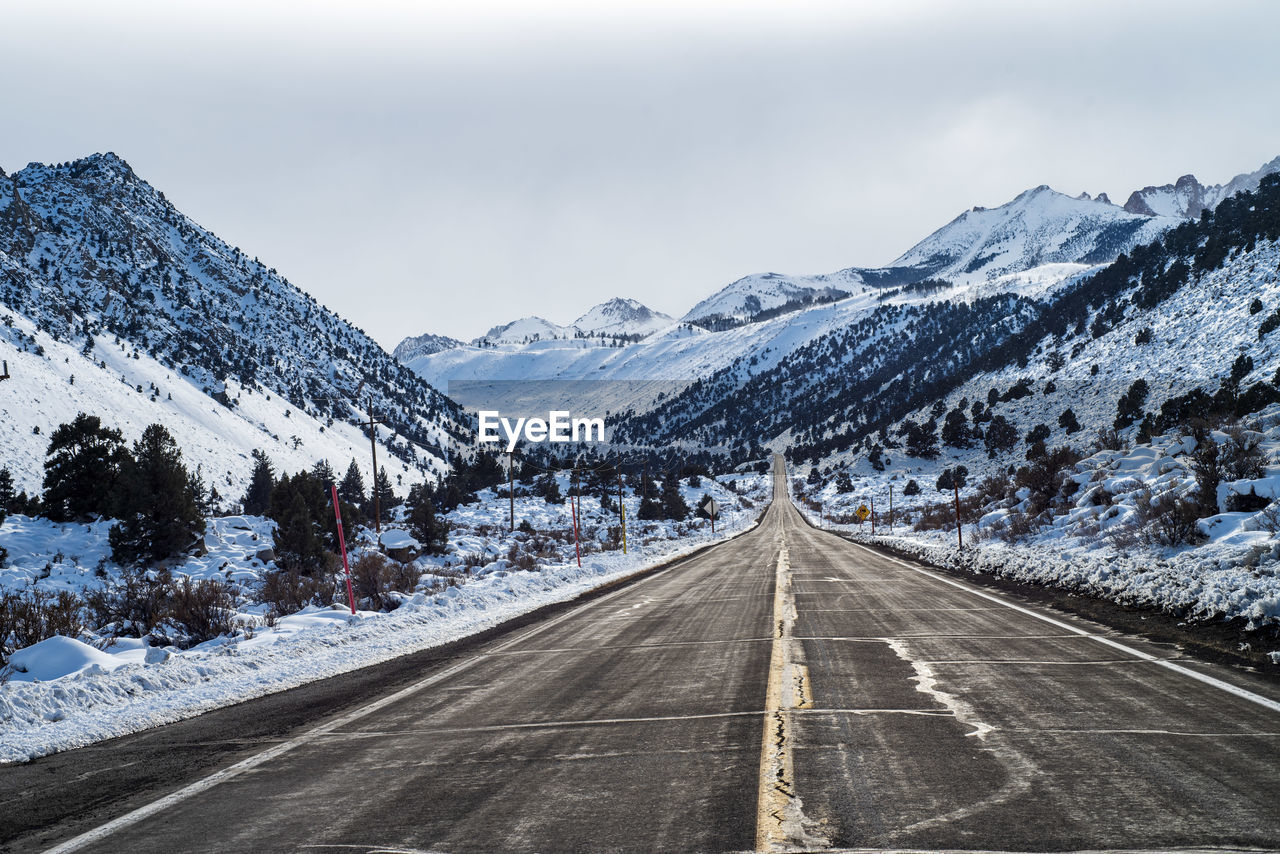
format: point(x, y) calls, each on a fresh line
point(1265, 702)
point(186, 792)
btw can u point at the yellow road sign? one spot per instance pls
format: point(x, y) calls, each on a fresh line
point(862, 513)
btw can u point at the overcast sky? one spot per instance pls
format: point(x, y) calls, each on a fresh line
point(431, 167)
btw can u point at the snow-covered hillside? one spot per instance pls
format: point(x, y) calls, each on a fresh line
point(116, 304)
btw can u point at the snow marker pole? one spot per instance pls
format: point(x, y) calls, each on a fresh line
point(891, 508)
point(873, 517)
point(342, 543)
point(573, 507)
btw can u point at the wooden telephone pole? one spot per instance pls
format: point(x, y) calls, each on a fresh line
point(511, 484)
point(373, 450)
point(622, 510)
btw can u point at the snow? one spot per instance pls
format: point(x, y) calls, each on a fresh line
point(56, 657)
point(72, 693)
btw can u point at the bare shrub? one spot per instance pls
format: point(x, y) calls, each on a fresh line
point(1168, 520)
point(376, 578)
point(288, 591)
point(1269, 519)
point(941, 515)
point(130, 604)
point(35, 615)
point(199, 611)
point(1018, 526)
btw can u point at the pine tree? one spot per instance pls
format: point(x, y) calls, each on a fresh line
point(323, 472)
point(1129, 407)
point(7, 496)
point(81, 470)
point(922, 439)
point(351, 490)
point(160, 512)
point(299, 542)
point(1067, 421)
point(950, 479)
point(257, 499)
point(650, 509)
point(1001, 435)
point(387, 500)
point(955, 429)
point(425, 526)
point(673, 503)
point(549, 488)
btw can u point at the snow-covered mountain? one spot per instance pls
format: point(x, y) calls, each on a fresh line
point(1187, 198)
point(1028, 246)
point(115, 303)
point(622, 318)
point(750, 297)
point(1040, 226)
point(1177, 313)
point(424, 345)
point(523, 331)
point(617, 318)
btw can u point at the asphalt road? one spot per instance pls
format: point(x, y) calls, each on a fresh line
point(786, 690)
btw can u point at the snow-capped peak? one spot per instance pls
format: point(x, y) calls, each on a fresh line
point(1039, 226)
point(423, 345)
point(621, 316)
point(524, 330)
point(1187, 197)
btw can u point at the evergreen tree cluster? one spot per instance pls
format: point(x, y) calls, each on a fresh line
point(89, 472)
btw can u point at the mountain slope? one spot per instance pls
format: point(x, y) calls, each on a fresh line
point(94, 258)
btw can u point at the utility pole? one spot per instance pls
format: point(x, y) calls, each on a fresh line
point(622, 510)
point(511, 481)
point(959, 536)
point(573, 506)
point(373, 449)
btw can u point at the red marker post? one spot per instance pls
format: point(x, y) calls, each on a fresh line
point(342, 543)
point(573, 507)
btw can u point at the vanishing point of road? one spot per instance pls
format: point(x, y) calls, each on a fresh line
point(787, 690)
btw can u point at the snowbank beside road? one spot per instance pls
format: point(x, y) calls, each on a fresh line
point(1203, 583)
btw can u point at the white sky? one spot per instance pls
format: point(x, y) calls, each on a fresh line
point(433, 167)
